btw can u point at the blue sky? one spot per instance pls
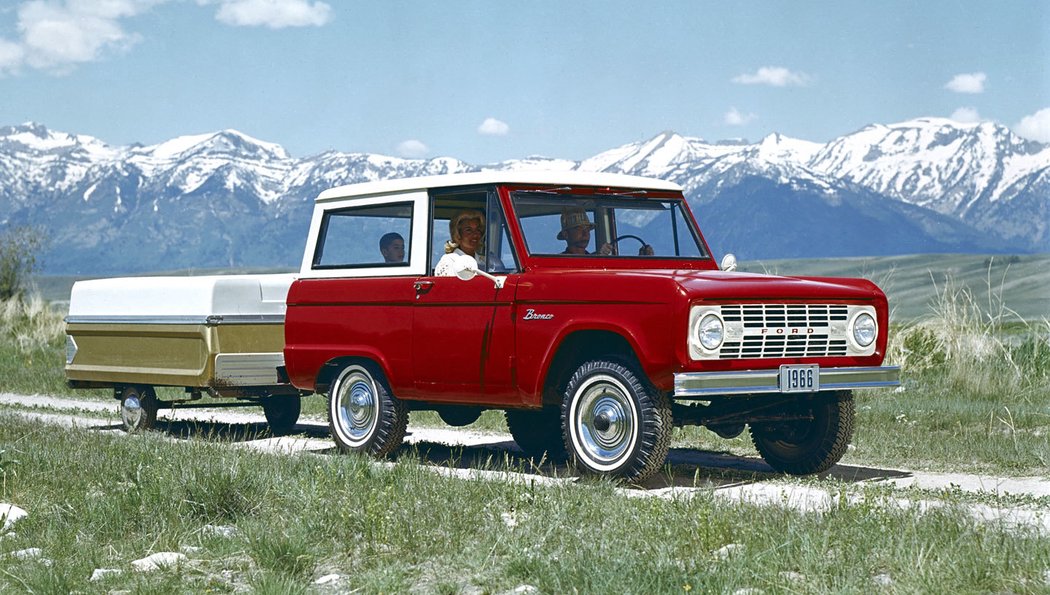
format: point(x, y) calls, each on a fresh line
point(486, 81)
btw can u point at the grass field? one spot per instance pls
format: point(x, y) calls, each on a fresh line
point(283, 522)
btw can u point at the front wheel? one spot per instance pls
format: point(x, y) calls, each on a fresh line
point(282, 413)
point(138, 408)
point(362, 414)
point(613, 423)
point(807, 446)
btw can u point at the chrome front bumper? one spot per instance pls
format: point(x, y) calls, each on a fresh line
point(752, 382)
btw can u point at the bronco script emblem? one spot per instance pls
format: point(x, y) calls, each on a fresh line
point(531, 314)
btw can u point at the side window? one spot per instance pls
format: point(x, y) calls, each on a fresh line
point(371, 236)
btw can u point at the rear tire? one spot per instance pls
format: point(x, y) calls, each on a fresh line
point(362, 414)
point(138, 408)
point(538, 432)
point(282, 413)
point(812, 446)
point(458, 416)
point(615, 424)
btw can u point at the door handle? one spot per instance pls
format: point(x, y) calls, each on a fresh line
point(423, 287)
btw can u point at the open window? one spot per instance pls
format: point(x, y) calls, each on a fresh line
point(494, 253)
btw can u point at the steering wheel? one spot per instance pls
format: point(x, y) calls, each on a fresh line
point(633, 237)
point(644, 250)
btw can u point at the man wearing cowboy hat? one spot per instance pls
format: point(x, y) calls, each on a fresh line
point(576, 231)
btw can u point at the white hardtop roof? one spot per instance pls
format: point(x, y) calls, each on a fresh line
point(568, 178)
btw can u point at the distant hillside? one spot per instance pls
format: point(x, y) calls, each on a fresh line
point(911, 282)
point(1020, 283)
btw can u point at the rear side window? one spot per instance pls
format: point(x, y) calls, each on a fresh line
point(369, 236)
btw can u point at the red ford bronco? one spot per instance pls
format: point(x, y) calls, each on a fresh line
point(587, 306)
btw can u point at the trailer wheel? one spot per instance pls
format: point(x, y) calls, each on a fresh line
point(282, 413)
point(615, 424)
point(138, 408)
point(363, 415)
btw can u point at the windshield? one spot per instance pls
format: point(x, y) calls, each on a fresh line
point(567, 225)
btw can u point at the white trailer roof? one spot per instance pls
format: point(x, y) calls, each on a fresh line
point(569, 178)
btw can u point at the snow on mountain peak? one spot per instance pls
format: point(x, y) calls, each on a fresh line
point(776, 147)
point(225, 141)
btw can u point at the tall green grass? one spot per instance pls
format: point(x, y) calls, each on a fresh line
point(32, 347)
point(976, 392)
point(102, 500)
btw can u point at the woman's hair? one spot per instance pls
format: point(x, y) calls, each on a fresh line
point(453, 228)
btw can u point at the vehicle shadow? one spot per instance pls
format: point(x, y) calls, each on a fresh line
point(218, 431)
point(685, 467)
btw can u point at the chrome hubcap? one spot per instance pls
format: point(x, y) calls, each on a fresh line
point(131, 412)
point(605, 422)
point(357, 409)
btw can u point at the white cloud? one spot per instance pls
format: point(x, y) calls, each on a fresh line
point(493, 127)
point(11, 57)
point(972, 83)
point(275, 14)
point(966, 115)
point(1036, 126)
point(735, 118)
point(412, 149)
point(774, 76)
point(58, 35)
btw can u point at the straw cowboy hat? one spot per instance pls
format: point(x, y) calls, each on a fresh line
point(571, 218)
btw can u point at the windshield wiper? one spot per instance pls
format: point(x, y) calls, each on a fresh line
point(628, 193)
point(546, 190)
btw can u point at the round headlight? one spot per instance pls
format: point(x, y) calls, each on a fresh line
point(864, 329)
point(710, 331)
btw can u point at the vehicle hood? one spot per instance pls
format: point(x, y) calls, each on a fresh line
point(720, 285)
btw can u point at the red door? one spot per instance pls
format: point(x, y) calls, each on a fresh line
point(463, 340)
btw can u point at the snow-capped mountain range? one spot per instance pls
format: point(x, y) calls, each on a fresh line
point(226, 199)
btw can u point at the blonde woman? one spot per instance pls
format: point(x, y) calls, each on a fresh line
point(466, 229)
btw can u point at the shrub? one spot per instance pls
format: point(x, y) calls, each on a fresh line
point(19, 247)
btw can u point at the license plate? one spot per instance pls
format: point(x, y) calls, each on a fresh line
point(800, 378)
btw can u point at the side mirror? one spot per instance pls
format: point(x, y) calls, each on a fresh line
point(729, 262)
point(466, 268)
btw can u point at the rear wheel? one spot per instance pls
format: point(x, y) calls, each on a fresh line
point(614, 423)
point(459, 416)
point(363, 415)
point(537, 432)
point(282, 413)
point(808, 446)
point(138, 408)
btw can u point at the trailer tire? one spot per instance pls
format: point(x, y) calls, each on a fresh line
point(282, 413)
point(138, 408)
point(362, 414)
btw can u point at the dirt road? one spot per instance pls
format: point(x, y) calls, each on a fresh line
point(461, 453)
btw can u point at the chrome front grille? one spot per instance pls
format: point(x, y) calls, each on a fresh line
point(767, 331)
